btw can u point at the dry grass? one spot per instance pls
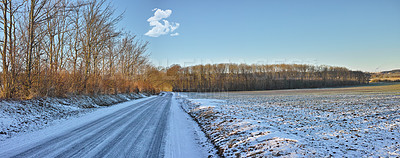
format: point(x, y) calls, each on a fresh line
point(376, 88)
point(388, 79)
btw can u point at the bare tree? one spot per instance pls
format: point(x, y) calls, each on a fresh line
point(59, 47)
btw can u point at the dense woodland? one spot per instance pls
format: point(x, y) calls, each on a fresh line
point(62, 47)
point(239, 77)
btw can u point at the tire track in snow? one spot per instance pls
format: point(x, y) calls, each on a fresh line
point(159, 134)
point(125, 138)
point(142, 145)
point(146, 119)
point(82, 147)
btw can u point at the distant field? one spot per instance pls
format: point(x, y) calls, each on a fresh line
point(389, 88)
point(392, 79)
point(362, 121)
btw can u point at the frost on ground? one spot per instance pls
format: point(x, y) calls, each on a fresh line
point(18, 116)
point(184, 136)
point(313, 125)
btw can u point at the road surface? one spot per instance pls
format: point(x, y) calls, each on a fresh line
point(134, 131)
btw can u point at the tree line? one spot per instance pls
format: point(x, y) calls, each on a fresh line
point(62, 47)
point(243, 77)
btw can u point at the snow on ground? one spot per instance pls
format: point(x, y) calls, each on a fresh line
point(18, 116)
point(184, 136)
point(28, 139)
point(340, 125)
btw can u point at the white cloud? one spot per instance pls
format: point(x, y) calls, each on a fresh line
point(161, 28)
point(173, 28)
point(174, 34)
point(159, 14)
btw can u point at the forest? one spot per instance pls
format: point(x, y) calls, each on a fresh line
point(59, 48)
point(243, 77)
point(69, 47)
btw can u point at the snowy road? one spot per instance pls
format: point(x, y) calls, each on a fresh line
point(137, 130)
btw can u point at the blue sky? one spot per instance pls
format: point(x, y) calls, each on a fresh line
point(358, 34)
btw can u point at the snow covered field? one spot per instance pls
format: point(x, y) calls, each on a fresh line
point(298, 124)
